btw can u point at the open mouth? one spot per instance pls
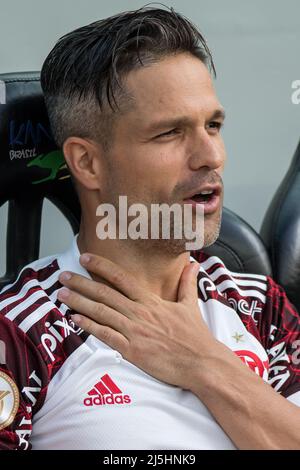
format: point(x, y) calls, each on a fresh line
point(204, 197)
point(209, 198)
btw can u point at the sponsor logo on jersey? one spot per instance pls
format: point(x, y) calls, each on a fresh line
point(253, 362)
point(9, 400)
point(106, 392)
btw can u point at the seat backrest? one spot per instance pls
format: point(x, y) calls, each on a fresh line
point(240, 247)
point(281, 231)
point(32, 169)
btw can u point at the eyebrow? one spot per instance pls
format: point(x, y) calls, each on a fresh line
point(182, 121)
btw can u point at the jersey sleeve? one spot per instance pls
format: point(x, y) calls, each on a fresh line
point(23, 384)
point(279, 327)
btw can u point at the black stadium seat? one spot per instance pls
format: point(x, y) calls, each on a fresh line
point(281, 232)
point(32, 168)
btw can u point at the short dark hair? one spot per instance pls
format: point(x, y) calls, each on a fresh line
point(82, 76)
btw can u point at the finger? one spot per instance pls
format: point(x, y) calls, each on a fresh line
point(108, 335)
point(124, 281)
point(98, 292)
point(187, 291)
point(96, 311)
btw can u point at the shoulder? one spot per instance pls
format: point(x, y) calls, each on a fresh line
point(32, 295)
point(245, 291)
point(266, 311)
point(32, 316)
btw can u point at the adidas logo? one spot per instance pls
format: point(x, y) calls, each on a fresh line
point(106, 392)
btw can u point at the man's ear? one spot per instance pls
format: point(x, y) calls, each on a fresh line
point(84, 161)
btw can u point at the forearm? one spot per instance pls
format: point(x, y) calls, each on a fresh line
point(252, 414)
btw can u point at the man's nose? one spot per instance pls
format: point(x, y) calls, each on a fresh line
point(206, 150)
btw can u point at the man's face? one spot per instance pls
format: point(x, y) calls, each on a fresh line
point(168, 146)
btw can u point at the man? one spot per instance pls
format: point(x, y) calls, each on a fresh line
point(142, 349)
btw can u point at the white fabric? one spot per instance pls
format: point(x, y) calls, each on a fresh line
point(295, 398)
point(159, 416)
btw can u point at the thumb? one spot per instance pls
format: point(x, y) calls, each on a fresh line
point(187, 291)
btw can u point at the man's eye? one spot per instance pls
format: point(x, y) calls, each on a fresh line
point(215, 125)
point(168, 133)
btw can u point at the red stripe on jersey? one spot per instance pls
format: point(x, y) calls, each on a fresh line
point(110, 384)
point(102, 389)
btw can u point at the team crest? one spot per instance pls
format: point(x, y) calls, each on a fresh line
point(9, 400)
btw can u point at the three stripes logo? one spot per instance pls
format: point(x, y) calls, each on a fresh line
point(106, 392)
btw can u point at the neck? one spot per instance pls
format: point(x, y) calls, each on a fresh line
point(158, 270)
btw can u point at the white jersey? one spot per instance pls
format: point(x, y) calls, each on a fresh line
point(65, 389)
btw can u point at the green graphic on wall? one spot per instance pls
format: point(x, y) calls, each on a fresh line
point(52, 161)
